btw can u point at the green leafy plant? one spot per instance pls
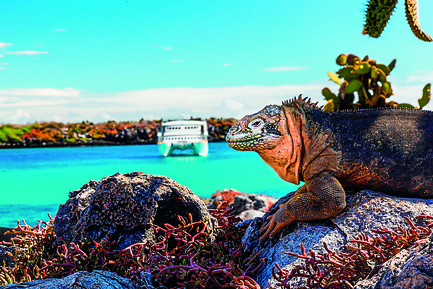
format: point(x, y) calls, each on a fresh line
point(3, 137)
point(368, 80)
point(13, 134)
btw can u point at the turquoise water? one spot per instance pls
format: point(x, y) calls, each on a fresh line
point(35, 181)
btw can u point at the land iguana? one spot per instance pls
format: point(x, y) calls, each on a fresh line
point(385, 149)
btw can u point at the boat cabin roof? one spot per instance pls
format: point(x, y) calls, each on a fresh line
point(183, 123)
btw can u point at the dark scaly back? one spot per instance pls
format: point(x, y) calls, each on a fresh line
point(387, 149)
point(395, 145)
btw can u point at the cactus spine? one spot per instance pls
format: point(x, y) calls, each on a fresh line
point(379, 11)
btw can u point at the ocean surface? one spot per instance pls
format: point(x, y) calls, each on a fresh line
point(35, 181)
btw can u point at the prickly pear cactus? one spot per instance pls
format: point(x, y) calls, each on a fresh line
point(379, 11)
point(368, 80)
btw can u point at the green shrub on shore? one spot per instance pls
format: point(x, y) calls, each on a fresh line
point(3, 137)
point(12, 134)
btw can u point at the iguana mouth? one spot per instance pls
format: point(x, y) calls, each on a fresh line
point(242, 138)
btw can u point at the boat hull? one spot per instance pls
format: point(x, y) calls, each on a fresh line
point(170, 149)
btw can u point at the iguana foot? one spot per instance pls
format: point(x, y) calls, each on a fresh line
point(275, 223)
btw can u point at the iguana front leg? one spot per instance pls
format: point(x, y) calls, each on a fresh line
point(320, 198)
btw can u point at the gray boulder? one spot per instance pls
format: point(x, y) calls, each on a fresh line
point(250, 214)
point(79, 280)
point(365, 210)
point(242, 202)
point(4, 257)
point(246, 206)
point(410, 268)
point(125, 206)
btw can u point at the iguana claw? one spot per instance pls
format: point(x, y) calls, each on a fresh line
point(274, 224)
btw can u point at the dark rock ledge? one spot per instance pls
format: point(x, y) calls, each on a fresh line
point(79, 280)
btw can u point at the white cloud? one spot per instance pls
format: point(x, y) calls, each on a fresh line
point(423, 76)
point(226, 64)
point(163, 47)
point(27, 52)
point(73, 105)
point(2, 68)
point(408, 94)
point(214, 101)
point(1, 55)
point(4, 63)
point(68, 91)
point(284, 68)
point(18, 117)
point(34, 104)
point(3, 44)
point(232, 105)
point(60, 29)
point(105, 116)
point(236, 101)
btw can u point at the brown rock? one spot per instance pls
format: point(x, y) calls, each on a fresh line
point(125, 206)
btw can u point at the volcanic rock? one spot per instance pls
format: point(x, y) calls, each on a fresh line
point(366, 210)
point(124, 207)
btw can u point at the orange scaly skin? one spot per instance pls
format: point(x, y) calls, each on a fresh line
point(387, 150)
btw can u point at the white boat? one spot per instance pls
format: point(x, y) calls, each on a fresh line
point(179, 136)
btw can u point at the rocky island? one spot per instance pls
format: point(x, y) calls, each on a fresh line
point(56, 134)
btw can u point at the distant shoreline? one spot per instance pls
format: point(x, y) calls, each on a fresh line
point(97, 143)
point(111, 133)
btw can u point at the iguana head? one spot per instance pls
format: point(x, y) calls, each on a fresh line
point(275, 134)
point(256, 132)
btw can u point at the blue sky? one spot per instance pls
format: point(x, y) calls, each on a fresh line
point(98, 60)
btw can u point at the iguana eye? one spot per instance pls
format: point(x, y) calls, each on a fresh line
point(256, 123)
